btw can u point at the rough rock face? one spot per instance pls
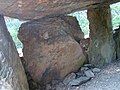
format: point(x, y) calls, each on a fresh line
point(75, 30)
point(102, 46)
point(12, 75)
point(34, 9)
point(49, 51)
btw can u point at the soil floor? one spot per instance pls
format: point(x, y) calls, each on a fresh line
point(107, 79)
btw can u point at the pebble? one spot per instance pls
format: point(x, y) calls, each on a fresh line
point(48, 87)
point(84, 68)
point(96, 70)
point(89, 66)
point(80, 74)
point(60, 86)
point(89, 74)
point(79, 81)
point(68, 78)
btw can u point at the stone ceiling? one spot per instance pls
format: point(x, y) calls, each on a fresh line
point(34, 9)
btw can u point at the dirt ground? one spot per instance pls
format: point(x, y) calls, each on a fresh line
point(107, 79)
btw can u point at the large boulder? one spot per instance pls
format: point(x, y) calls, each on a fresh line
point(12, 75)
point(35, 9)
point(49, 51)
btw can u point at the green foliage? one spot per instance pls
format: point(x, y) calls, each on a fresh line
point(13, 27)
point(82, 19)
point(14, 34)
point(115, 11)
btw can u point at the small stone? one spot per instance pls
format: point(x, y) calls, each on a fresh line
point(54, 82)
point(89, 74)
point(48, 87)
point(79, 81)
point(73, 88)
point(96, 70)
point(68, 78)
point(80, 74)
point(89, 65)
point(118, 70)
point(84, 68)
point(60, 86)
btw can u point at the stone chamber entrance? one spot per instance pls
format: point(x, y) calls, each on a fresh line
point(49, 46)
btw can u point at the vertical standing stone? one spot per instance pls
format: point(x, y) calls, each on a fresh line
point(101, 50)
point(12, 75)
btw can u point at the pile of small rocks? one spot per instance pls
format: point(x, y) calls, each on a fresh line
point(70, 82)
point(73, 80)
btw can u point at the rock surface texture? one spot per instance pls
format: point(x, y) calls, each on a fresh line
point(34, 9)
point(73, 81)
point(12, 75)
point(50, 51)
point(102, 45)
